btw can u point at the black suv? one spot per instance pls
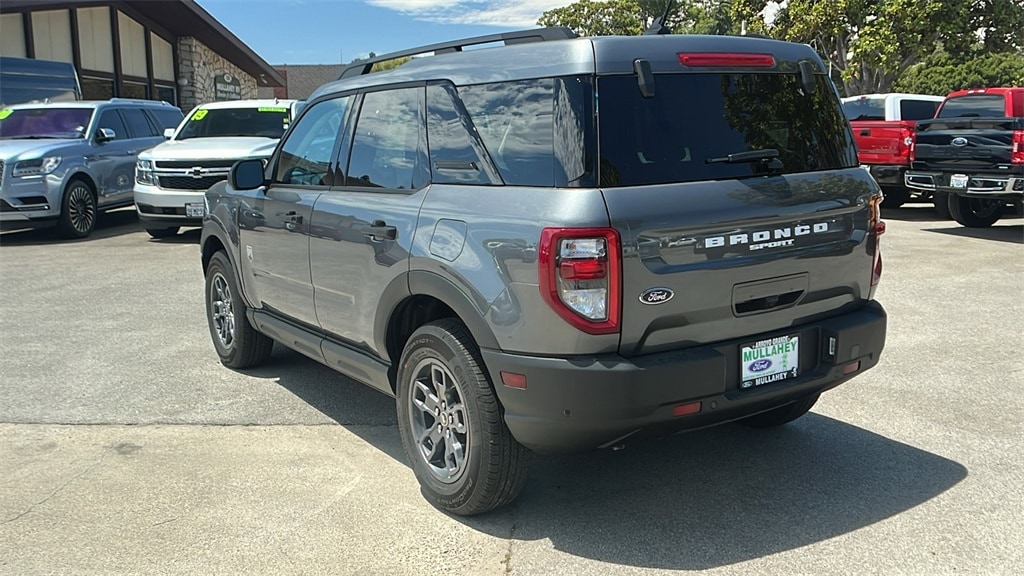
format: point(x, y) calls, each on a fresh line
point(558, 244)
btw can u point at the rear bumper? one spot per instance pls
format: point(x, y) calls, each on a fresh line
point(590, 402)
point(979, 185)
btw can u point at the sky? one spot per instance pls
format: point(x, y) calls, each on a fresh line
point(336, 31)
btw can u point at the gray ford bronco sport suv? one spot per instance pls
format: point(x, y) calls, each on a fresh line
point(558, 244)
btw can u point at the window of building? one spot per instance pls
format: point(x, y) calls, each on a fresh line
point(133, 47)
point(112, 120)
point(51, 35)
point(95, 40)
point(97, 88)
point(165, 93)
point(163, 58)
point(12, 40)
point(134, 90)
point(389, 148)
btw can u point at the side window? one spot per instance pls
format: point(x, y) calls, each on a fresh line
point(389, 148)
point(137, 122)
point(164, 119)
point(917, 109)
point(515, 121)
point(112, 120)
point(453, 157)
point(305, 158)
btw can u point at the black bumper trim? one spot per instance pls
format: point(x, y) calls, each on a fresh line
point(580, 403)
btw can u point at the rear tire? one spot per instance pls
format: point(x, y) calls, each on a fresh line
point(162, 232)
point(238, 344)
point(453, 431)
point(781, 415)
point(975, 212)
point(941, 202)
point(895, 197)
point(78, 210)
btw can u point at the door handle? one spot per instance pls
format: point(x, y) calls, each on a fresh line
point(379, 230)
point(865, 132)
point(292, 220)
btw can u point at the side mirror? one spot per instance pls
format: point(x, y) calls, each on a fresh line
point(168, 133)
point(105, 135)
point(246, 175)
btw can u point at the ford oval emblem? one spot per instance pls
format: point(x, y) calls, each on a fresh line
point(959, 141)
point(656, 295)
point(760, 365)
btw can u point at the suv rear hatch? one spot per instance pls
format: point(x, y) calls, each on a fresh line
point(739, 203)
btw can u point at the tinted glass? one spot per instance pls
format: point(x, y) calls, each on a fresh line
point(389, 147)
point(44, 122)
point(516, 122)
point(166, 118)
point(694, 121)
point(974, 105)
point(305, 157)
point(138, 123)
point(112, 120)
point(453, 149)
point(97, 88)
point(918, 109)
point(865, 109)
point(268, 122)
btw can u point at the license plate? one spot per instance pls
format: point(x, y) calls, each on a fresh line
point(768, 361)
point(958, 180)
point(195, 209)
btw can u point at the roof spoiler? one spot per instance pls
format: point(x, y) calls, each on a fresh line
point(518, 37)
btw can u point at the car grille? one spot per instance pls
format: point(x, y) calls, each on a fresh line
point(190, 183)
point(195, 163)
point(150, 209)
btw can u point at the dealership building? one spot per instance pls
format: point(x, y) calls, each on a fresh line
point(171, 50)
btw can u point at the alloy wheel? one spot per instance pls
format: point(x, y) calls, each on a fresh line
point(222, 310)
point(440, 424)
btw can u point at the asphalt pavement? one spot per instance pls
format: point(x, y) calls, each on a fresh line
point(127, 448)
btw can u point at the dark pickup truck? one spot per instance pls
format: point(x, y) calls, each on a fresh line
point(973, 150)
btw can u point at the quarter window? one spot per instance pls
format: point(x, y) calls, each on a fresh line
point(453, 156)
point(389, 148)
point(306, 154)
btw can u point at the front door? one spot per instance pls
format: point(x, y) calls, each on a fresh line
point(275, 224)
point(113, 161)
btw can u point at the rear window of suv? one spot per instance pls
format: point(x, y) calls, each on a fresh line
point(694, 118)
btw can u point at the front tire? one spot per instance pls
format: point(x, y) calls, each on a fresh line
point(158, 233)
point(781, 415)
point(238, 344)
point(975, 212)
point(455, 437)
point(78, 210)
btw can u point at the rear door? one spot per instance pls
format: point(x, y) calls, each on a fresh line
point(717, 248)
point(363, 229)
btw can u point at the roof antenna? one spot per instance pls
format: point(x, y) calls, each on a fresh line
point(659, 26)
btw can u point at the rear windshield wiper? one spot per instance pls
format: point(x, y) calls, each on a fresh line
point(749, 156)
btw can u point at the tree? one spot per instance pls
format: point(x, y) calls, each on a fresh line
point(943, 74)
point(872, 42)
point(632, 17)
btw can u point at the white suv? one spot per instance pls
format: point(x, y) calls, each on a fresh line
point(171, 178)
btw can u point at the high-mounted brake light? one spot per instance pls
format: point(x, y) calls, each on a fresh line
point(1017, 153)
point(580, 276)
point(726, 59)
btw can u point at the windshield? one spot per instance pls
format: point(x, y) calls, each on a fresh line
point(44, 122)
point(267, 122)
point(696, 118)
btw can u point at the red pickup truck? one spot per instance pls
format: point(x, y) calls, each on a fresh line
point(883, 128)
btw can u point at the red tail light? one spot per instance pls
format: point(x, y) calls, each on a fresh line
point(906, 144)
point(580, 276)
point(1017, 154)
point(726, 59)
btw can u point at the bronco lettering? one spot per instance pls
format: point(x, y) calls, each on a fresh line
point(778, 235)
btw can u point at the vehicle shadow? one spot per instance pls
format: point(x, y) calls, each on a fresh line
point(912, 213)
point(186, 236)
point(694, 501)
point(108, 225)
point(1001, 232)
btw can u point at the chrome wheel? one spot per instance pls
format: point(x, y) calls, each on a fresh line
point(221, 311)
point(440, 425)
point(81, 209)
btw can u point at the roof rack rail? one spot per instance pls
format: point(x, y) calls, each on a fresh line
point(518, 37)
